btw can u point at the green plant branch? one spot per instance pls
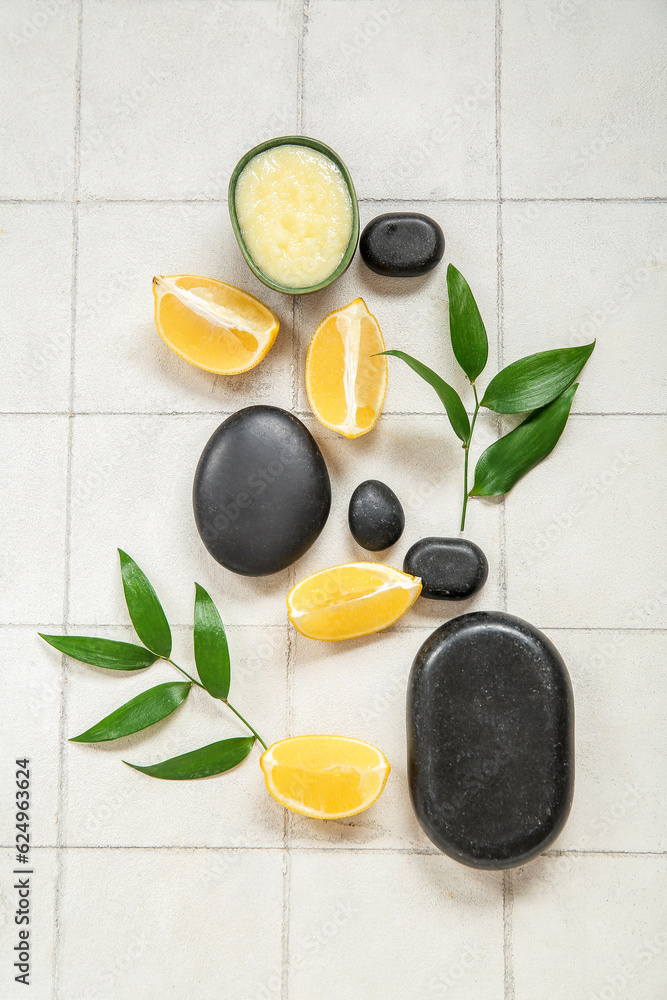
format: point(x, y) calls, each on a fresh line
point(225, 702)
point(540, 386)
point(211, 654)
point(465, 464)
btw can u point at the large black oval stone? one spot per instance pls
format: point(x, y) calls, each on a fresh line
point(402, 244)
point(375, 515)
point(451, 569)
point(261, 493)
point(490, 720)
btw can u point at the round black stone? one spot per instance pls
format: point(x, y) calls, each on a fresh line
point(490, 723)
point(375, 516)
point(402, 244)
point(261, 492)
point(451, 569)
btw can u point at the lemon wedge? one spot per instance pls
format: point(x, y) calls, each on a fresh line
point(325, 777)
point(345, 382)
point(214, 326)
point(348, 601)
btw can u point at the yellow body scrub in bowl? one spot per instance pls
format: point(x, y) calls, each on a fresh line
point(294, 212)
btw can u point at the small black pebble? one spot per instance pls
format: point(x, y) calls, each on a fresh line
point(451, 569)
point(375, 516)
point(402, 244)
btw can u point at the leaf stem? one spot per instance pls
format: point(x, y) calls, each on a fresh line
point(465, 464)
point(465, 490)
point(245, 721)
point(225, 702)
point(169, 660)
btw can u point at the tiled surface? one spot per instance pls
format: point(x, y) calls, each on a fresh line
point(620, 916)
point(555, 282)
point(33, 458)
point(414, 108)
point(583, 91)
point(585, 529)
point(184, 921)
point(620, 739)
point(36, 268)
point(38, 43)
point(355, 926)
point(166, 89)
point(122, 121)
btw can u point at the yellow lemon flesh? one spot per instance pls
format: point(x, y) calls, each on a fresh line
point(326, 777)
point(346, 384)
point(295, 213)
point(214, 326)
point(347, 601)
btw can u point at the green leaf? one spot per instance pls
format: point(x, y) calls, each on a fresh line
point(202, 763)
point(536, 380)
point(449, 397)
point(146, 612)
point(102, 652)
point(508, 459)
point(469, 341)
point(138, 713)
point(211, 649)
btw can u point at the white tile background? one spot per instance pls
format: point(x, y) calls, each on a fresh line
point(534, 131)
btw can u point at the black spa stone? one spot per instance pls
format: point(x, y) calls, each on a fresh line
point(402, 244)
point(261, 492)
point(451, 569)
point(375, 516)
point(490, 721)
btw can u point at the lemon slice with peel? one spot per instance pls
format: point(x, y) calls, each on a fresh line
point(347, 601)
point(346, 383)
point(214, 326)
point(326, 777)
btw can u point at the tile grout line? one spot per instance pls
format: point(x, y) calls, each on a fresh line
point(303, 29)
point(325, 848)
point(62, 783)
point(500, 292)
point(575, 852)
point(296, 357)
point(500, 282)
point(648, 200)
point(302, 413)
point(279, 625)
point(508, 953)
point(291, 574)
point(287, 816)
point(293, 376)
point(507, 890)
point(284, 940)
